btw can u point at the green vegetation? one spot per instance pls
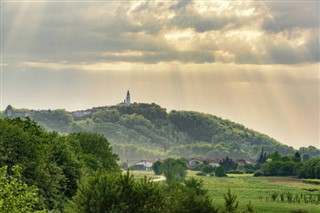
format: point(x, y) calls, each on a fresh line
point(310, 169)
point(275, 164)
point(147, 131)
point(49, 163)
point(46, 171)
point(15, 195)
point(122, 193)
point(259, 191)
point(175, 170)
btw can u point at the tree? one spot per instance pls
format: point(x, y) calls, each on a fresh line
point(297, 157)
point(305, 157)
point(94, 151)
point(220, 172)
point(15, 195)
point(262, 157)
point(230, 202)
point(208, 169)
point(189, 196)
point(156, 167)
point(228, 164)
point(107, 192)
point(106, 116)
point(310, 169)
point(174, 170)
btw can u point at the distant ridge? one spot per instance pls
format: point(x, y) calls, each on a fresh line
point(147, 131)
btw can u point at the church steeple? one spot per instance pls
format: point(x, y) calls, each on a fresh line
point(127, 101)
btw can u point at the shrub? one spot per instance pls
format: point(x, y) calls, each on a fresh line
point(235, 172)
point(249, 171)
point(311, 181)
point(220, 172)
point(230, 202)
point(258, 173)
point(201, 174)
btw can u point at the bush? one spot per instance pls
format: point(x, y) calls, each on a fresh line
point(201, 174)
point(220, 172)
point(235, 172)
point(208, 169)
point(105, 192)
point(249, 171)
point(311, 181)
point(258, 173)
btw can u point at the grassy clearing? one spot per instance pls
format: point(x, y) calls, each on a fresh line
point(259, 191)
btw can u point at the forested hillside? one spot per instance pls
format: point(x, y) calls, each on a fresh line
point(40, 170)
point(147, 131)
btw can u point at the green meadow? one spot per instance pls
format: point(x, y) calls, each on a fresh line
point(289, 194)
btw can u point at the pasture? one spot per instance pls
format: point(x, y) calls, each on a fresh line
point(267, 194)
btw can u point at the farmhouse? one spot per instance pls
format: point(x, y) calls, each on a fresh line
point(194, 161)
point(142, 165)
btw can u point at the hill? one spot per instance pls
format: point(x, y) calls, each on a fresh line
point(147, 131)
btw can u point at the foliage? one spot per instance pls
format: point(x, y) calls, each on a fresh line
point(297, 157)
point(220, 172)
point(51, 162)
point(230, 202)
point(188, 197)
point(156, 167)
point(174, 170)
point(106, 116)
point(94, 150)
point(258, 173)
point(15, 195)
point(262, 157)
point(201, 174)
point(149, 111)
point(250, 208)
point(208, 169)
point(105, 192)
point(228, 164)
point(311, 151)
point(310, 169)
point(175, 134)
point(279, 165)
point(54, 119)
point(312, 181)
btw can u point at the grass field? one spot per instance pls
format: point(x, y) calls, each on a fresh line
point(258, 190)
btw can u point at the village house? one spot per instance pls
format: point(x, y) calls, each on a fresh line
point(142, 165)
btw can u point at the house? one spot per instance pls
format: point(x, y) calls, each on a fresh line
point(81, 113)
point(243, 162)
point(214, 162)
point(194, 161)
point(10, 112)
point(142, 165)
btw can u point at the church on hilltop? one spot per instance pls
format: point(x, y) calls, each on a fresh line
point(126, 102)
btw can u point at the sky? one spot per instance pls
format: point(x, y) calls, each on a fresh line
point(252, 62)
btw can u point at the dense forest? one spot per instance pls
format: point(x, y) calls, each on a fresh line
point(147, 131)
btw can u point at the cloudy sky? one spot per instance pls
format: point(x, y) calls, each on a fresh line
point(253, 62)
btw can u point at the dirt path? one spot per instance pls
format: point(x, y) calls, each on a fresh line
point(160, 178)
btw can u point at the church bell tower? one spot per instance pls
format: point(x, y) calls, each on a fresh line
point(127, 102)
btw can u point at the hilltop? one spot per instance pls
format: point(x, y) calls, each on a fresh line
point(147, 131)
